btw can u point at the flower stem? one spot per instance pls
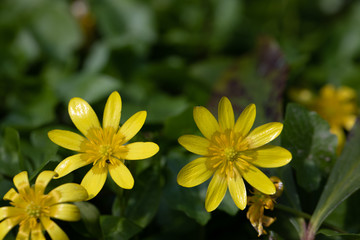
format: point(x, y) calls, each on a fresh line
point(308, 217)
point(292, 211)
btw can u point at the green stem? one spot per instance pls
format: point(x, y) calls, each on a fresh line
point(293, 211)
point(306, 216)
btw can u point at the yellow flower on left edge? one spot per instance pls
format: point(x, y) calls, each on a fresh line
point(33, 210)
point(104, 147)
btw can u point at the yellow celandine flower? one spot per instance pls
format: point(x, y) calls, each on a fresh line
point(258, 202)
point(338, 108)
point(33, 209)
point(336, 105)
point(105, 147)
point(230, 152)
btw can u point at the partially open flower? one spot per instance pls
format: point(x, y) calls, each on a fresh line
point(260, 201)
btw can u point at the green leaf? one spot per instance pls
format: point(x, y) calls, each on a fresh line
point(50, 165)
point(90, 216)
point(45, 149)
point(228, 205)
point(97, 58)
point(5, 185)
point(91, 87)
point(118, 228)
point(180, 124)
point(342, 182)
point(32, 112)
point(226, 18)
point(290, 197)
point(337, 235)
point(144, 198)
point(40, 152)
point(306, 135)
point(125, 23)
point(210, 71)
point(56, 30)
point(191, 201)
point(10, 157)
point(162, 107)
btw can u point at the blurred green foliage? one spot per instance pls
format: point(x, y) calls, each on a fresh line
point(165, 57)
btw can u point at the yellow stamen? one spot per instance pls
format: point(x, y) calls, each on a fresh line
point(225, 152)
point(104, 146)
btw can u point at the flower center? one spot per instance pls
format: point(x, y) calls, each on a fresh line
point(230, 154)
point(34, 210)
point(226, 152)
point(104, 146)
point(106, 150)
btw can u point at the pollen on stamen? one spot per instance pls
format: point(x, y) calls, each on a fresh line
point(230, 154)
point(34, 210)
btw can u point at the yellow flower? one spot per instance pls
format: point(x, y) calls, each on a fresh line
point(230, 153)
point(338, 108)
point(336, 105)
point(105, 147)
point(258, 202)
point(33, 210)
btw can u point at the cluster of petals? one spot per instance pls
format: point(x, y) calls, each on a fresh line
point(33, 210)
point(258, 202)
point(106, 147)
point(230, 152)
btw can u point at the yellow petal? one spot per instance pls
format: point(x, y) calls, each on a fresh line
point(264, 134)
point(21, 182)
point(195, 144)
point(328, 91)
point(194, 173)
point(43, 180)
point(24, 231)
point(205, 121)
point(269, 156)
point(133, 125)
point(141, 150)
point(13, 196)
point(237, 190)
point(121, 175)
point(68, 192)
point(215, 192)
point(7, 225)
point(226, 114)
point(345, 93)
point(7, 212)
point(349, 121)
point(112, 111)
point(267, 221)
point(65, 211)
point(55, 232)
point(66, 139)
point(256, 178)
point(70, 164)
point(94, 180)
point(246, 120)
point(341, 138)
point(37, 233)
point(82, 115)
